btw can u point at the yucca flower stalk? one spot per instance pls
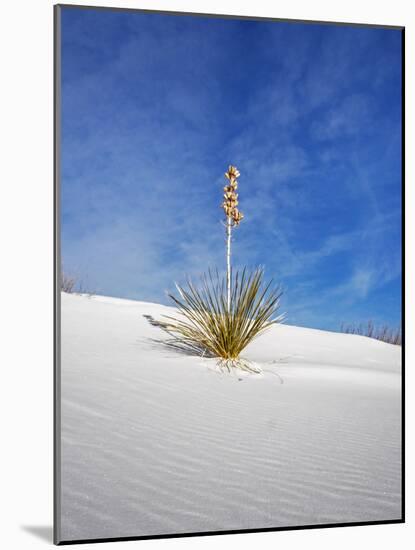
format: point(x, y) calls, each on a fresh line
point(233, 218)
point(221, 315)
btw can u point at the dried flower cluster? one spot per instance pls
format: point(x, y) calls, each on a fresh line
point(231, 196)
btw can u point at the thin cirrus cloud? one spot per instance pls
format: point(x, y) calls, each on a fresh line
point(155, 107)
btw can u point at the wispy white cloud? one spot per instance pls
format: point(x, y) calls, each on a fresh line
point(151, 120)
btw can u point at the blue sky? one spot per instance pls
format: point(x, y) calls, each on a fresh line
point(154, 109)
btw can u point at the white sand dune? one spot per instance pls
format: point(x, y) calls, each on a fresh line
point(156, 442)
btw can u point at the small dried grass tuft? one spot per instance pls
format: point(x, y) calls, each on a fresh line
point(384, 333)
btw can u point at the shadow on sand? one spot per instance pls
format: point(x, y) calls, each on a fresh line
point(44, 532)
point(174, 343)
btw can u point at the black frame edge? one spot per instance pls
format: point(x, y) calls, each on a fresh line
point(403, 281)
point(232, 532)
point(56, 273)
point(232, 16)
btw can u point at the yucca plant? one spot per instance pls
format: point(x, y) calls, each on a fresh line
point(220, 316)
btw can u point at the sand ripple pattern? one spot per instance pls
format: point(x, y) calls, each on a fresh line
point(156, 443)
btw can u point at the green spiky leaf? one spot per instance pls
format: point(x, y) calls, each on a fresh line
point(205, 324)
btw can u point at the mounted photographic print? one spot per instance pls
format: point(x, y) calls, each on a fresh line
point(228, 274)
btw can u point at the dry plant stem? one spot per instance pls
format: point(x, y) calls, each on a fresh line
point(228, 261)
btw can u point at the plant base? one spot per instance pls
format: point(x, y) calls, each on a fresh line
point(229, 365)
